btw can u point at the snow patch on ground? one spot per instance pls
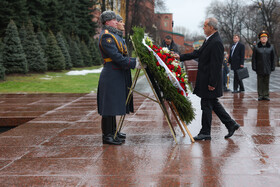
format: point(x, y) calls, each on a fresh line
point(84, 72)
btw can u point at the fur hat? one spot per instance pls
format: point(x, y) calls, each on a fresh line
point(119, 18)
point(263, 33)
point(107, 16)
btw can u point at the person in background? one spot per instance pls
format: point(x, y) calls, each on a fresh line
point(173, 48)
point(263, 63)
point(236, 60)
point(208, 84)
point(113, 83)
point(225, 73)
point(170, 44)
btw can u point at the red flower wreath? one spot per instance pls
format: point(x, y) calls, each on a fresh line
point(172, 64)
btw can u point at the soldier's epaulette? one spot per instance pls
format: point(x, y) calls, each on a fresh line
point(119, 45)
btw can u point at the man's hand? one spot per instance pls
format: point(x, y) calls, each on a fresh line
point(210, 88)
point(177, 56)
point(242, 66)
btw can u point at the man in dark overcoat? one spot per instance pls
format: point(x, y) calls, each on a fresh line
point(209, 80)
point(113, 82)
point(236, 60)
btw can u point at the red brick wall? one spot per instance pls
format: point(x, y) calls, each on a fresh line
point(179, 39)
point(165, 22)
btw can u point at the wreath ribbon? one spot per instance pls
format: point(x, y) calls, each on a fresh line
point(170, 75)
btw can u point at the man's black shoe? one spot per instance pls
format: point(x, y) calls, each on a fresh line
point(232, 130)
point(266, 98)
point(202, 137)
point(227, 90)
point(260, 98)
point(121, 135)
point(109, 139)
point(243, 90)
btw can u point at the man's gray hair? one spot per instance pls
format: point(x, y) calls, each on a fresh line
point(213, 22)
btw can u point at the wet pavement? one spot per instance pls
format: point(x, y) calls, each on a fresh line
point(57, 142)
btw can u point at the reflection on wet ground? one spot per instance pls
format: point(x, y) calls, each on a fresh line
point(61, 144)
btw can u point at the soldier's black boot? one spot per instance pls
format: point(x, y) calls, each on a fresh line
point(108, 136)
point(120, 135)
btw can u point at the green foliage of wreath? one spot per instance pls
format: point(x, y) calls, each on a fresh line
point(170, 93)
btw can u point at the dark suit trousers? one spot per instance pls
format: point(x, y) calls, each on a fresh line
point(209, 105)
point(237, 82)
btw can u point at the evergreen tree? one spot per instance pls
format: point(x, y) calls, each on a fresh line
point(77, 18)
point(53, 14)
point(55, 58)
point(5, 13)
point(86, 26)
point(86, 55)
point(33, 51)
point(2, 69)
point(75, 53)
point(71, 16)
point(13, 55)
point(69, 20)
point(42, 39)
point(93, 48)
point(61, 42)
point(43, 43)
point(36, 9)
point(99, 60)
point(12, 10)
point(67, 43)
point(22, 34)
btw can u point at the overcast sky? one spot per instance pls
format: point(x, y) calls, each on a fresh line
point(188, 13)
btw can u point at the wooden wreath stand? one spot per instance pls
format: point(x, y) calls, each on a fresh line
point(158, 100)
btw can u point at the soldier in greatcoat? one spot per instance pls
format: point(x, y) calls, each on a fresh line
point(113, 82)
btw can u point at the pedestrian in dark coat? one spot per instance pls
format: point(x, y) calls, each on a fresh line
point(236, 60)
point(209, 80)
point(113, 83)
point(263, 63)
point(170, 44)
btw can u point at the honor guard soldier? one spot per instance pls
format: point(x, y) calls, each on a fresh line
point(113, 86)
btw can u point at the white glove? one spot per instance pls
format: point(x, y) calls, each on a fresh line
point(138, 64)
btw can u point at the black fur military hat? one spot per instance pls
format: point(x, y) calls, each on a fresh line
point(263, 33)
point(107, 16)
point(119, 18)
